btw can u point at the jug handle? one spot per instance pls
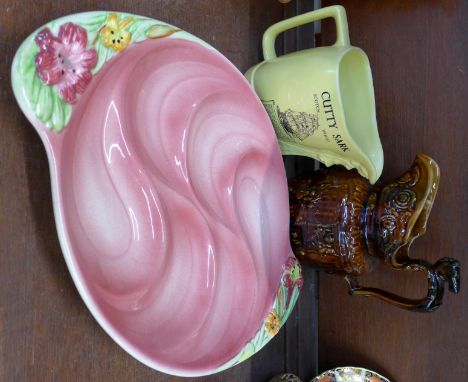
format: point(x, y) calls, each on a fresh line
point(337, 12)
point(444, 270)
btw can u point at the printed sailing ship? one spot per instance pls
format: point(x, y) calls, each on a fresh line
point(298, 124)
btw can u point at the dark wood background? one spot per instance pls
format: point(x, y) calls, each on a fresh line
point(418, 53)
point(419, 57)
point(46, 332)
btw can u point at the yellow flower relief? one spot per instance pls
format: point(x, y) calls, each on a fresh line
point(272, 323)
point(114, 34)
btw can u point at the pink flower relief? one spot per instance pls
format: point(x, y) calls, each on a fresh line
point(64, 61)
point(293, 275)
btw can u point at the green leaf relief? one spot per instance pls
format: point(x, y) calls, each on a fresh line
point(62, 114)
point(283, 297)
point(104, 54)
point(246, 353)
point(94, 23)
point(292, 304)
point(160, 30)
point(44, 105)
point(138, 28)
point(36, 84)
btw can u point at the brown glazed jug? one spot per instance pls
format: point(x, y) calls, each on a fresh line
point(339, 223)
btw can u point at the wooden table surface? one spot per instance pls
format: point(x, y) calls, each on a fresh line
point(46, 332)
point(418, 52)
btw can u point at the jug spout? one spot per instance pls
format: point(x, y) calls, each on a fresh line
point(397, 214)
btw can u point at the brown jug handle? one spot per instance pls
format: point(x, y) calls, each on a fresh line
point(444, 270)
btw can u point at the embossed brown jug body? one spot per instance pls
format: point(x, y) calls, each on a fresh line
point(340, 224)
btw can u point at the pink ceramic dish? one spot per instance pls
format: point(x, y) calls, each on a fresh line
point(170, 196)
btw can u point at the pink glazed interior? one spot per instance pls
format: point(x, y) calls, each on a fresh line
point(174, 204)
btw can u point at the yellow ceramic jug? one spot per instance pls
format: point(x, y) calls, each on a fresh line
point(321, 100)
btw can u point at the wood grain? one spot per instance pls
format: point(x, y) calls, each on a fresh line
point(418, 54)
point(46, 332)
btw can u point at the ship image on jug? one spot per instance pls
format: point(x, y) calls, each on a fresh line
point(296, 124)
